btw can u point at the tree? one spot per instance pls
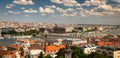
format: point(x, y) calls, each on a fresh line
point(61, 57)
point(41, 55)
point(47, 56)
point(60, 53)
point(0, 56)
point(78, 53)
point(31, 32)
point(97, 55)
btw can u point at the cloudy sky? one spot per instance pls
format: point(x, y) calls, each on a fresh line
point(61, 11)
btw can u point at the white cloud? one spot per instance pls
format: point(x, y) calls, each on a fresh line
point(72, 14)
point(94, 2)
point(57, 1)
point(61, 10)
point(107, 13)
point(46, 10)
point(52, 6)
point(100, 8)
point(30, 11)
point(23, 2)
point(105, 7)
point(13, 12)
point(66, 2)
point(9, 5)
point(70, 9)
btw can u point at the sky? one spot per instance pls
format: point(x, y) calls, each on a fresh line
point(61, 11)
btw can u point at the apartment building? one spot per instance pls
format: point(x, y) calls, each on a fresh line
point(113, 52)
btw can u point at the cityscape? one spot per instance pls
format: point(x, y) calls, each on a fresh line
point(60, 29)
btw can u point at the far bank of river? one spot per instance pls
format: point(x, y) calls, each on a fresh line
point(10, 41)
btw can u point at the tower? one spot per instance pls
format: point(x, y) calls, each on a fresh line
point(68, 51)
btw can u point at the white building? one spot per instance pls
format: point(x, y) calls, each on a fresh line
point(89, 48)
point(69, 29)
point(36, 52)
point(77, 41)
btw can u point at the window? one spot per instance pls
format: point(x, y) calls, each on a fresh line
point(103, 52)
point(110, 52)
point(98, 50)
point(118, 52)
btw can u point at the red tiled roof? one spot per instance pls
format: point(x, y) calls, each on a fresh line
point(3, 52)
point(15, 46)
point(2, 47)
point(102, 43)
point(53, 48)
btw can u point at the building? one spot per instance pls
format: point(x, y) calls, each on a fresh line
point(75, 42)
point(24, 42)
point(42, 30)
point(6, 54)
point(35, 50)
point(113, 52)
point(10, 52)
point(62, 29)
point(3, 48)
point(45, 29)
point(52, 49)
point(87, 49)
point(0, 32)
point(6, 29)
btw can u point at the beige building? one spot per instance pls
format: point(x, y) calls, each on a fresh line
point(116, 54)
point(111, 51)
point(0, 32)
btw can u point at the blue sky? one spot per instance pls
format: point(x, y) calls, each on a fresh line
point(61, 11)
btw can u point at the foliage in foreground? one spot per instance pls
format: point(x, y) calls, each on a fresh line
point(42, 56)
point(78, 53)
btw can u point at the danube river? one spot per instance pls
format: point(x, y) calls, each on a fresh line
point(7, 42)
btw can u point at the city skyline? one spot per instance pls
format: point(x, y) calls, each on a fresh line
point(61, 11)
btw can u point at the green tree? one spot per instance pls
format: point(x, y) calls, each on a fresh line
point(78, 53)
point(97, 55)
point(47, 56)
point(61, 57)
point(60, 53)
point(0, 56)
point(41, 55)
point(31, 32)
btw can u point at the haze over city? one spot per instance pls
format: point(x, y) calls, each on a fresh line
point(61, 11)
